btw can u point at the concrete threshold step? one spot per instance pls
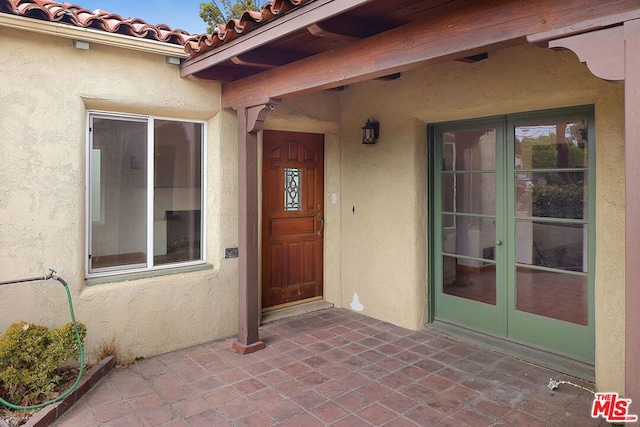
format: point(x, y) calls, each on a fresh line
point(295, 310)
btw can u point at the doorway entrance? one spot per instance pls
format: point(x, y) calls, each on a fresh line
point(292, 218)
point(513, 228)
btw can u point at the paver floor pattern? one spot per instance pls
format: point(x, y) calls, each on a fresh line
point(334, 368)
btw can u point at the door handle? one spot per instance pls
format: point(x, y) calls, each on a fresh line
point(498, 242)
point(321, 219)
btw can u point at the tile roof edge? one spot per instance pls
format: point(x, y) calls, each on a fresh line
point(70, 14)
point(198, 44)
point(91, 35)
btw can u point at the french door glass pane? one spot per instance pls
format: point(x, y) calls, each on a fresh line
point(551, 194)
point(557, 295)
point(470, 236)
point(119, 193)
point(562, 144)
point(177, 191)
point(471, 193)
point(551, 182)
point(469, 279)
point(469, 150)
point(468, 188)
point(552, 245)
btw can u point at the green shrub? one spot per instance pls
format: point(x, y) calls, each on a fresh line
point(558, 201)
point(30, 355)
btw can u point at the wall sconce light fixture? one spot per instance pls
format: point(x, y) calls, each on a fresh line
point(370, 132)
point(133, 162)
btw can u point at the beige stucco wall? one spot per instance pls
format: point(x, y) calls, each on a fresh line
point(45, 92)
point(383, 187)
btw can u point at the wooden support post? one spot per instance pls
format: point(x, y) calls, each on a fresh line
point(632, 211)
point(250, 121)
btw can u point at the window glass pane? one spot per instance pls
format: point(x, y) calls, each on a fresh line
point(118, 193)
point(292, 189)
point(552, 145)
point(464, 279)
point(552, 194)
point(469, 150)
point(469, 193)
point(470, 236)
point(552, 294)
point(553, 245)
point(177, 222)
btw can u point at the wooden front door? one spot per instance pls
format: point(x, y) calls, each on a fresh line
point(292, 217)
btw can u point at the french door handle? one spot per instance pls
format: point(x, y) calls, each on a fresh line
point(498, 242)
point(321, 219)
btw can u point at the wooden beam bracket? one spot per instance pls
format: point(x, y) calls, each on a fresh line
point(256, 115)
point(602, 51)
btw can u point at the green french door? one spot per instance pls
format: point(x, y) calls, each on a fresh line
point(513, 228)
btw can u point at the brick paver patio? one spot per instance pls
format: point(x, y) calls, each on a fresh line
point(339, 368)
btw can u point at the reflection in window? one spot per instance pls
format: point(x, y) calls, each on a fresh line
point(473, 237)
point(552, 195)
point(469, 150)
point(552, 146)
point(468, 187)
point(461, 280)
point(552, 294)
point(449, 190)
point(548, 244)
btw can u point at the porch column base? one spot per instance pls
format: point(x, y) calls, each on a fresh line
point(250, 348)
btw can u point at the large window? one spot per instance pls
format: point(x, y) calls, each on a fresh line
point(145, 193)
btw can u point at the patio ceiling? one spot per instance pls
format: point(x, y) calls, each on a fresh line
point(304, 33)
point(325, 44)
point(306, 29)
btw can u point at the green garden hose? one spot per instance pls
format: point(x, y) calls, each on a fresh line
point(52, 275)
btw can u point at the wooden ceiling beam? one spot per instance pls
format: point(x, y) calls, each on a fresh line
point(464, 32)
point(596, 23)
point(474, 58)
point(320, 30)
point(347, 27)
point(266, 58)
point(390, 77)
point(226, 74)
point(297, 19)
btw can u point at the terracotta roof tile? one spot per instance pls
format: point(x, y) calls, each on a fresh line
point(70, 14)
point(249, 20)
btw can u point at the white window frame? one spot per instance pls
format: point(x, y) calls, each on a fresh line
point(150, 120)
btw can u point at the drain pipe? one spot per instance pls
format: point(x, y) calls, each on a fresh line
point(52, 275)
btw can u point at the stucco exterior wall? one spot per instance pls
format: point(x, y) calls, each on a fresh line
point(45, 92)
point(384, 206)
